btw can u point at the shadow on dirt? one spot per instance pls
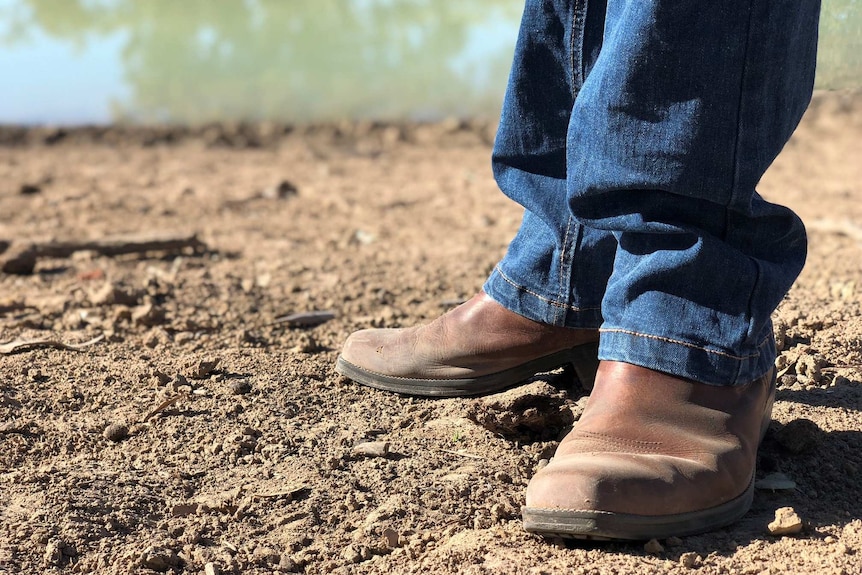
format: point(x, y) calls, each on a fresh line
point(844, 393)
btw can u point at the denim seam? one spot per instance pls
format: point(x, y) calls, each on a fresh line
point(758, 275)
point(572, 53)
point(683, 343)
point(564, 271)
point(538, 296)
point(731, 199)
point(579, 18)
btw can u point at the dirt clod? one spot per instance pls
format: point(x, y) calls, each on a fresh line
point(148, 315)
point(690, 560)
point(352, 554)
point(799, 436)
point(115, 294)
point(54, 552)
point(183, 509)
point(653, 547)
point(534, 409)
point(200, 368)
point(160, 559)
point(786, 522)
point(116, 432)
point(391, 538)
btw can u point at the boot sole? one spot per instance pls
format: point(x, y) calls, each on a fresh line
point(605, 526)
point(584, 359)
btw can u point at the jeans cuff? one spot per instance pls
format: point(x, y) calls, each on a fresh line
point(687, 360)
point(537, 307)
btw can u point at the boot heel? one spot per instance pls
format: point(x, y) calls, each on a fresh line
point(585, 360)
point(767, 410)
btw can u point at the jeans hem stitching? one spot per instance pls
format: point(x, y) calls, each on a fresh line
point(538, 296)
point(684, 343)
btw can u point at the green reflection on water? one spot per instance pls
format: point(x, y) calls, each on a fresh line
point(304, 60)
point(839, 55)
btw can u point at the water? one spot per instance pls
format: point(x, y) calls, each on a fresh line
point(101, 61)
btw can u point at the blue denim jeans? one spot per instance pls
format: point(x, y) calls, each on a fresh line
point(634, 133)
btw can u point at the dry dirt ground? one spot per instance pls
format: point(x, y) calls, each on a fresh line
point(205, 433)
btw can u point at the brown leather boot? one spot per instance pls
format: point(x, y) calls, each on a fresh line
point(478, 347)
point(652, 456)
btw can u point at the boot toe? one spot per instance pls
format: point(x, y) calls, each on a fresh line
point(635, 484)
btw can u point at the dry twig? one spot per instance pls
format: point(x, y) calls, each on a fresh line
point(28, 344)
point(163, 406)
point(20, 257)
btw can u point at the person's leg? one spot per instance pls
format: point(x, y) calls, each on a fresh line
point(553, 276)
point(686, 106)
point(556, 268)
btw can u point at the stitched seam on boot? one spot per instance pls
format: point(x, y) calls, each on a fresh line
point(609, 446)
point(633, 446)
point(620, 440)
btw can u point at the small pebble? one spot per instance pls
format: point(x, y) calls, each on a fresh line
point(653, 547)
point(201, 369)
point(36, 375)
point(391, 537)
point(29, 189)
point(116, 432)
point(211, 569)
point(372, 449)
point(162, 378)
point(280, 191)
point(286, 563)
point(54, 552)
point(179, 382)
point(183, 509)
point(264, 555)
point(305, 343)
point(786, 522)
point(159, 559)
point(673, 541)
point(776, 482)
point(240, 387)
point(351, 554)
point(579, 407)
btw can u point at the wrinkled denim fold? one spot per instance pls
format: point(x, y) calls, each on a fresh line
point(634, 133)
